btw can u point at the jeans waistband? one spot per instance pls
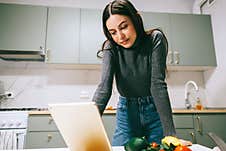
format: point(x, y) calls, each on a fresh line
point(143, 99)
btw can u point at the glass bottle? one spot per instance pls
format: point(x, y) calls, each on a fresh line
point(198, 105)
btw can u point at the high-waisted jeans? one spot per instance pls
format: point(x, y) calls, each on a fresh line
point(137, 117)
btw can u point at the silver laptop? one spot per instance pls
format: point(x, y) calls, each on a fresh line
point(81, 126)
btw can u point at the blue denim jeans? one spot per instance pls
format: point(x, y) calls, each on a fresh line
point(137, 117)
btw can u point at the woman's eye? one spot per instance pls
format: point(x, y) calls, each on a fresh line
point(112, 33)
point(124, 26)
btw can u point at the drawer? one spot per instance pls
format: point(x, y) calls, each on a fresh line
point(41, 123)
point(183, 121)
point(186, 134)
point(35, 140)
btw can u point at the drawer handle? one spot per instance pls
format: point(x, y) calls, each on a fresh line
point(176, 57)
point(193, 137)
point(50, 120)
point(199, 125)
point(49, 137)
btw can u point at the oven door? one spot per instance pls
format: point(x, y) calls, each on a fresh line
point(12, 139)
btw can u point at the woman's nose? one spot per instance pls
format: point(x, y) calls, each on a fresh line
point(121, 35)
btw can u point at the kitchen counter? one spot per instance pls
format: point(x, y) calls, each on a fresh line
point(194, 147)
point(205, 110)
point(176, 111)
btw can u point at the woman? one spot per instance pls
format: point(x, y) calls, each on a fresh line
point(137, 60)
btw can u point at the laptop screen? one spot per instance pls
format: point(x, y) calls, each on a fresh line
point(81, 126)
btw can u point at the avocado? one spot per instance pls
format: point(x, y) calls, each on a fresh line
point(136, 144)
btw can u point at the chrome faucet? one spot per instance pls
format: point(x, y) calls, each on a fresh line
point(187, 93)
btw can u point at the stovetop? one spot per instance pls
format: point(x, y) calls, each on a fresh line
point(15, 118)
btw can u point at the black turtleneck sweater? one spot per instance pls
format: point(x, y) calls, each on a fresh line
point(139, 71)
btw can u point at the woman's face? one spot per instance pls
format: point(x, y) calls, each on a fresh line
point(122, 30)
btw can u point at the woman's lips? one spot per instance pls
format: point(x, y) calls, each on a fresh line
point(124, 42)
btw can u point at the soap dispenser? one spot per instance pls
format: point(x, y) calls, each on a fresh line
point(198, 105)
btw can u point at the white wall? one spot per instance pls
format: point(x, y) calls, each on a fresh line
point(215, 79)
point(36, 85)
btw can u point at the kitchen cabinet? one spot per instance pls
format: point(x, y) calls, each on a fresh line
point(192, 40)
point(62, 41)
point(37, 140)
point(91, 36)
point(73, 35)
point(42, 132)
point(23, 27)
point(195, 126)
point(184, 126)
point(160, 21)
point(189, 36)
point(205, 123)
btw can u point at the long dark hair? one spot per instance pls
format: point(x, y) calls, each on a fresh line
point(121, 7)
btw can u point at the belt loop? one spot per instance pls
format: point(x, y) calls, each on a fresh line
point(139, 100)
point(148, 99)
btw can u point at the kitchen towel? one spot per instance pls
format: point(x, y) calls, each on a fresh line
point(8, 139)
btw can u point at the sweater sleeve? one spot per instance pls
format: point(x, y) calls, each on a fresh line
point(104, 89)
point(158, 84)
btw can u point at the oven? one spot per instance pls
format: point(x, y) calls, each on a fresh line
point(13, 125)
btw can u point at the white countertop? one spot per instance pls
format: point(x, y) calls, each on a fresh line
point(194, 147)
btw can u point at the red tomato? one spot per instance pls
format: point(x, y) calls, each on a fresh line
point(182, 148)
point(154, 144)
point(161, 150)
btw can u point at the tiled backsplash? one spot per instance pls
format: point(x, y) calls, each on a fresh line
point(38, 85)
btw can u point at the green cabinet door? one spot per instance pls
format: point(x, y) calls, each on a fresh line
point(22, 27)
point(62, 41)
point(205, 123)
point(42, 132)
point(156, 20)
point(192, 40)
point(91, 36)
point(109, 121)
point(160, 21)
point(44, 139)
point(184, 125)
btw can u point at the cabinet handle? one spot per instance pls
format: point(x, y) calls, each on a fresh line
point(170, 57)
point(47, 55)
point(176, 57)
point(192, 137)
point(43, 52)
point(41, 48)
point(49, 137)
point(199, 125)
point(50, 120)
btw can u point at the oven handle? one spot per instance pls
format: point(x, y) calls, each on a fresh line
point(19, 133)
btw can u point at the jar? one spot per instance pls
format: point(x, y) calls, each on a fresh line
point(198, 105)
